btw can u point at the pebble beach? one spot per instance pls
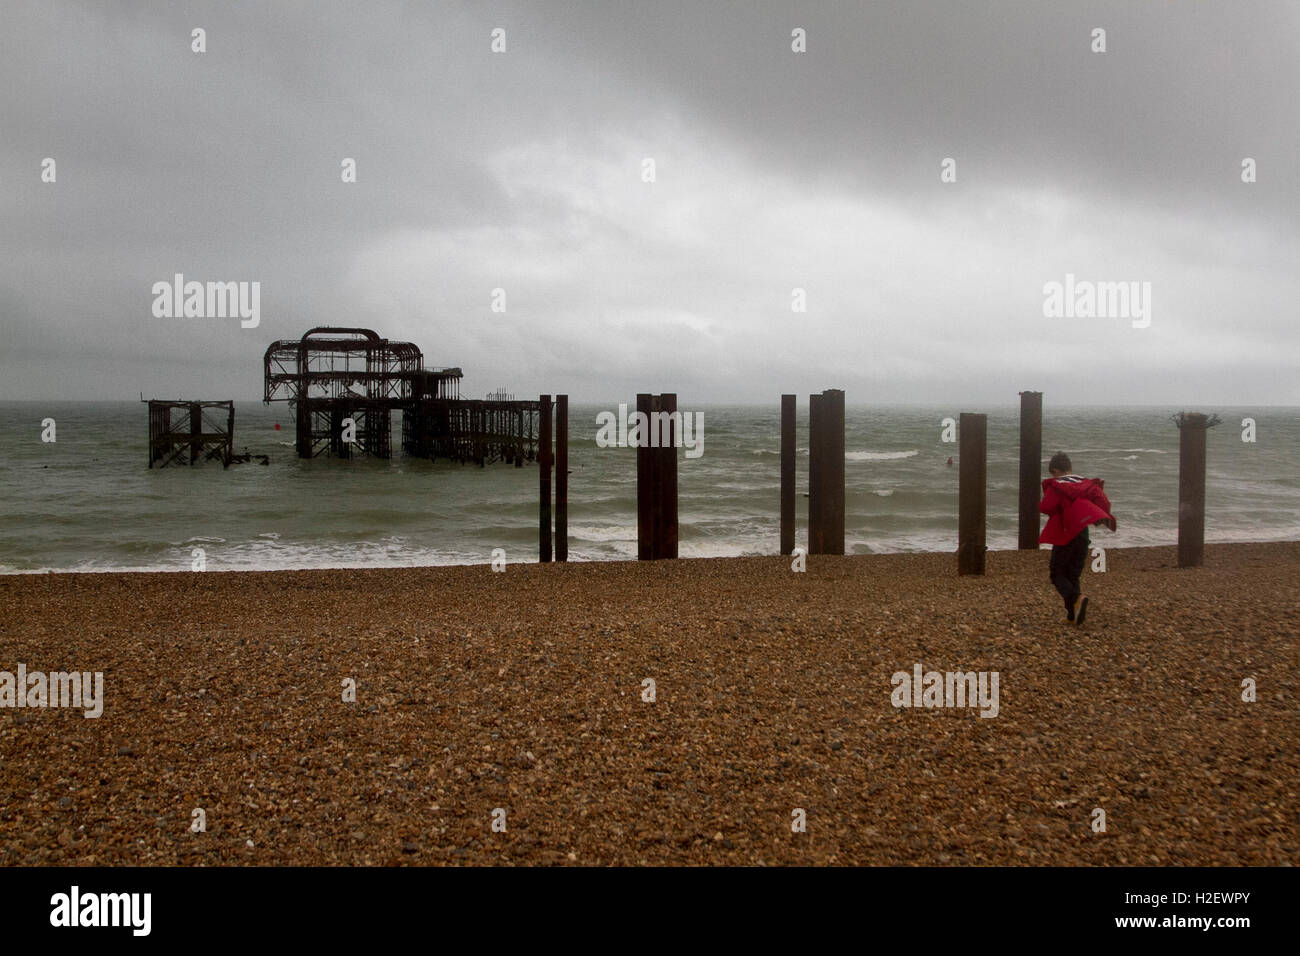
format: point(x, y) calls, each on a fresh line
point(509, 718)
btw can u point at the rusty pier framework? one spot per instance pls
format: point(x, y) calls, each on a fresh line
point(345, 383)
point(187, 432)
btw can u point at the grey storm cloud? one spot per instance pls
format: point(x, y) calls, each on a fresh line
point(774, 171)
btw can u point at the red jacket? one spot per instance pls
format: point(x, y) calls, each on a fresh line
point(1071, 504)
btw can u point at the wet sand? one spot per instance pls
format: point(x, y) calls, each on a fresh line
point(523, 691)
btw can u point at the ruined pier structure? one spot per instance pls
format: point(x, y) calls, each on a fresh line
point(186, 432)
point(345, 383)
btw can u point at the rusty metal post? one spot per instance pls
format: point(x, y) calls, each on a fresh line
point(1192, 428)
point(644, 483)
point(544, 480)
point(816, 474)
point(523, 441)
point(833, 471)
point(561, 477)
point(302, 428)
point(666, 479)
point(164, 434)
point(196, 432)
point(1031, 467)
point(787, 473)
point(972, 482)
point(230, 435)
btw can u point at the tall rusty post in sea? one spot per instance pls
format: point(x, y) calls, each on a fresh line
point(656, 476)
point(644, 486)
point(1031, 467)
point(1192, 429)
point(826, 472)
point(561, 477)
point(544, 479)
point(666, 474)
point(972, 482)
point(787, 473)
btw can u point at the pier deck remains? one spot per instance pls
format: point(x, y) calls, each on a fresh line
point(345, 383)
point(186, 432)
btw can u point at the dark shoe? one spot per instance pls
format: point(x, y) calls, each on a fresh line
point(1082, 611)
point(1069, 610)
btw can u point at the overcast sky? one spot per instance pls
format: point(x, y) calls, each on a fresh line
point(775, 170)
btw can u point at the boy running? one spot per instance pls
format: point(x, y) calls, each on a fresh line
point(1071, 504)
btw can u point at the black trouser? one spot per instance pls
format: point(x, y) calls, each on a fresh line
point(1067, 565)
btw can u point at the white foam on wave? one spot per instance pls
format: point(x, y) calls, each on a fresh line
point(604, 533)
point(1111, 451)
point(879, 455)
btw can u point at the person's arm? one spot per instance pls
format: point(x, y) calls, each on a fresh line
point(1051, 501)
point(1097, 495)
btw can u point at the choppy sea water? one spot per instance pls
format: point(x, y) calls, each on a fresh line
point(88, 502)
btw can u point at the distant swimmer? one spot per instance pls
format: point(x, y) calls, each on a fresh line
point(950, 462)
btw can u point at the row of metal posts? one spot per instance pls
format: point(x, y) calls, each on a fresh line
point(657, 532)
point(826, 480)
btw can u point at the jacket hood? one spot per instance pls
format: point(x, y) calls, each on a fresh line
point(1073, 486)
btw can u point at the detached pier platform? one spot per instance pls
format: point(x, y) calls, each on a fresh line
point(187, 432)
point(345, 383)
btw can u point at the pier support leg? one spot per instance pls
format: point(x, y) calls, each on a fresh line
point(196, 432)
point(666, 479)
point(816, 496)
point(972, 482)
point(230, 436)
point(1192, 429)
point(644, 487)
point(1031, 467)
point(787, 473)
point(562, 478)
point(833, 443)
point(544, 480)
point(826, 472)
point(656, 478)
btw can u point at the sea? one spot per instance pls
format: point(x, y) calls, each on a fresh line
point(88, 501)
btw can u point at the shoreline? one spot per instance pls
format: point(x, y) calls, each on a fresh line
point(524, 691)
point(618, 561)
